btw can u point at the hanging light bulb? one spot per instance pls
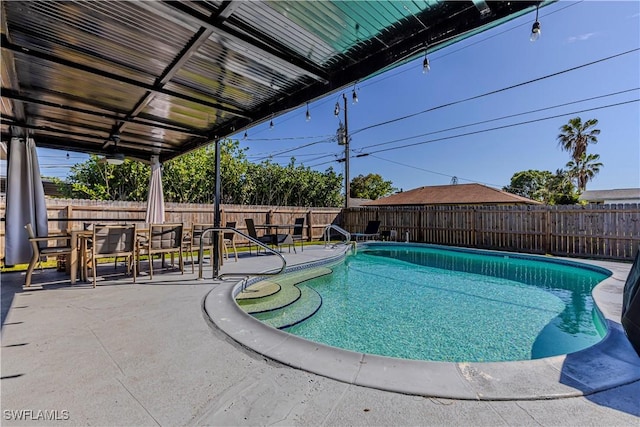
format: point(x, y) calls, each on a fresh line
point(271, 124)
point(354, 96)
point(246, 135)
point(425, 64)
point(336, 109)
point(535, 29)
point(308, 115)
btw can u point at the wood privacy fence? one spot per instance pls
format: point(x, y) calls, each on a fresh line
point(592, 231)
point(66, 214)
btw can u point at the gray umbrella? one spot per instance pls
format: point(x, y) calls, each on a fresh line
point(25, 201)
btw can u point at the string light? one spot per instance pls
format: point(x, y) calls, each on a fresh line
point(535, 29)
point(308, 115)
point(425, 64)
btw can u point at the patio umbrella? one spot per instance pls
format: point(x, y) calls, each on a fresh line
point(25, 201)
point(155, 201)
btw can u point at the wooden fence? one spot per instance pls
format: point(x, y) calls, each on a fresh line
point(592, 231)
point(66, 214)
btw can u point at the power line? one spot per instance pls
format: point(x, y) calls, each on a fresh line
point(493, 92)
point(489, 129)
point(504, 117)
point(434, 172)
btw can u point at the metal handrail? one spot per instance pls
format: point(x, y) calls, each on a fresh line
point(339, 229)
point(238, 274)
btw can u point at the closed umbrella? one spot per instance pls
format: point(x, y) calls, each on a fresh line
point(155, 201)
point(25, 201)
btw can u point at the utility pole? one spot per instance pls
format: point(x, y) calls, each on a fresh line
point(344, 136)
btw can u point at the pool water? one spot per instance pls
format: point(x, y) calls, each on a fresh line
point(429, 303)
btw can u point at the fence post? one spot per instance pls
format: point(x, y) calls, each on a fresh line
point(309, 226)
point(547, 234)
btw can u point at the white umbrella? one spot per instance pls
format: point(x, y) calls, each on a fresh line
point(25, 201)
point(155, 201)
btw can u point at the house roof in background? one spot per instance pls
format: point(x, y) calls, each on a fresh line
point(615, 194)
point(459, 194)
point(166, 77)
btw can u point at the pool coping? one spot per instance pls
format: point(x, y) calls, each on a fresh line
point(610, 363)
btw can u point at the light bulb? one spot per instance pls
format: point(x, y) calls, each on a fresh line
point(425, 65)
point(535, 31)
point(354, 97)
point(336, 109)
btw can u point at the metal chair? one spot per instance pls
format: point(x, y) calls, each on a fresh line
point(229, 238)
point(298, 231)
point(40, 250)
point(267, 239)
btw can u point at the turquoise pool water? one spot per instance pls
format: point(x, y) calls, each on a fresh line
point(428, 303)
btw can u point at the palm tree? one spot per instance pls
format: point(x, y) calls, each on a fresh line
point(576, 136)
point(584, 170)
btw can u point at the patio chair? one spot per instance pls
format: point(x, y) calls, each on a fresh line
point(193, 241)
point(110, 241)
point(371, 232)
point(267, 239)
point(229, 238)
point(41, 250)
point(163, 239)
point(298, 230)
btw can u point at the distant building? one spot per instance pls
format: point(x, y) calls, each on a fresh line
point(622, 195)
point(458, 194)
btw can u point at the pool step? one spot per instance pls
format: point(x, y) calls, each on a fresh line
point(305, 307)
point(281, 292)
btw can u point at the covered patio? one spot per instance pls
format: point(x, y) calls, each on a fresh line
point(150, 81)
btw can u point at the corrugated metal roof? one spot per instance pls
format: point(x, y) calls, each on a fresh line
point(168, 77)
point(459, 194)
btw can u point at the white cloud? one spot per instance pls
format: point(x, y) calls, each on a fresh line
point(580, 38)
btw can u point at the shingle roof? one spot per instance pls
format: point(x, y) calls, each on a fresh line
point(452, 195)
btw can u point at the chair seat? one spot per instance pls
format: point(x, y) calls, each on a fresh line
point(55, 250)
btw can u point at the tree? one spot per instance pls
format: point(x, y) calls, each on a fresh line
point(530, 183)
point(575, 137)
point(544, 186)
point(190, 178)
point(371, 186)
point(98, 180)
point(584, 170)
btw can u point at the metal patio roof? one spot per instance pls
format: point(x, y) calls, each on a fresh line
point(166, 77)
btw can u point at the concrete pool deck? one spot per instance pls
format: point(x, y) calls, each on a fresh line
point(147, 354)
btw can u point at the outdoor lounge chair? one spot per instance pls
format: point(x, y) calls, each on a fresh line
point(192, 242)
point(371, 232)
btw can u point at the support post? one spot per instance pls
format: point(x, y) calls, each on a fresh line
point(216, 216)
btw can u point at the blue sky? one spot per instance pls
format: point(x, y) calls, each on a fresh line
point(573, 34)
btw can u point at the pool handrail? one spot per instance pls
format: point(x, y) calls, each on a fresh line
point(339, 229)
point(237, 274)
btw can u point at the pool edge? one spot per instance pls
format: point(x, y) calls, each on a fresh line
point(610, 363)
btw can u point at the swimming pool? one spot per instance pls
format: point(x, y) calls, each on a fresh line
point(431, 303)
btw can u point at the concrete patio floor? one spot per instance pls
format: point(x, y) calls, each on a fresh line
point(146, 354)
